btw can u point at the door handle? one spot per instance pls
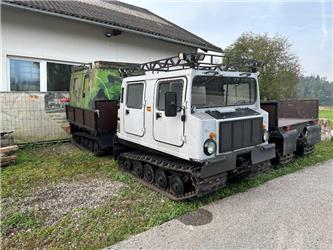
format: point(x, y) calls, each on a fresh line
point(158, 115)
point(126, 111)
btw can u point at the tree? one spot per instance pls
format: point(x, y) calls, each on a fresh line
point(316, 87)
point(280, 74)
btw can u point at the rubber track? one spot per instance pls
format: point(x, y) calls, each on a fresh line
point(177, 167)
point(89, 137)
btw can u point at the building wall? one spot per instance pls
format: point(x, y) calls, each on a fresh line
point(31, 35)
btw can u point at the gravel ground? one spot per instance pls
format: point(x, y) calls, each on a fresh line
point(55, 201)
point(57, 149)
point(290, 212)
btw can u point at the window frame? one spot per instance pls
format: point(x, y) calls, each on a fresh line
point(56, 62)
point(27, 60)
point(183, 79)
point(231, 105)
point(255, 93)
point(6, 86)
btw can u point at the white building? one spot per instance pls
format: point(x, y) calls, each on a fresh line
point(41, 40)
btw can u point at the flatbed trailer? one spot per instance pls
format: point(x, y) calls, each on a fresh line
point(293, 126)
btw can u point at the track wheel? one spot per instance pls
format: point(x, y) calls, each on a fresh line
point(85, 142)
point(161, 179)
point(177, 185)
point(126, 164)
point(91, 145)
point(148, 173)
point(96, 148)
point(138, 169)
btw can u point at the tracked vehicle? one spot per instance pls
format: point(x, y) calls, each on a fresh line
point(94, 96)
point(190, 123)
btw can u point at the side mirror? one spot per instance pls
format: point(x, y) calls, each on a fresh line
point(170, 104)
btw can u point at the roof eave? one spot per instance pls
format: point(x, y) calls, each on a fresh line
point(216, 49)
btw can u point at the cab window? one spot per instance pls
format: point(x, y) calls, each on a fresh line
point(134, 95)
point(169, 86)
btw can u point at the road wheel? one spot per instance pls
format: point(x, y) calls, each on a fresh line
point(138, 169)
point(85, 142)
point(91, 145)
point(161, 179)
point(126, 165)
point(78, 140)
point(148, 173)
point(97, 149)
point(177, 185)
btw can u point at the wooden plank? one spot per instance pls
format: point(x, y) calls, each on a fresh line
point(4, 164)
point(9, 149)
point(7, 160)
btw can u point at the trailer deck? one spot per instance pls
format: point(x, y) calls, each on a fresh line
point(290, 112)
point(286, 122)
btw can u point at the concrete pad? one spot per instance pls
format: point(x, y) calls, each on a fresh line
point(293, 211)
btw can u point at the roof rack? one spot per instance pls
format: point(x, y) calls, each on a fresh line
point(125, 69)
point(200, 61)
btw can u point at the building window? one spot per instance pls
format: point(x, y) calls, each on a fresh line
point(24, 75)
point(58, 76)
point(31, 74)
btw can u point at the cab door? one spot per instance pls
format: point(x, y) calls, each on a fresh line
point(134, 108)
point(169, 130)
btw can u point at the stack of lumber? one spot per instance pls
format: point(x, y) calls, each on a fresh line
point(7, 155)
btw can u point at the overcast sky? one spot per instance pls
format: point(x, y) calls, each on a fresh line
point(307, 24)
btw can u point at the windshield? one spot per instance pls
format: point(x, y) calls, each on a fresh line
point(217, 91)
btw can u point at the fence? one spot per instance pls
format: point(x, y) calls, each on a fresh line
point(33, 116)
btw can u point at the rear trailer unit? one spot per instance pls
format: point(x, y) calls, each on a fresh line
point(94, 129)
point(93, 109)
point(293, 126)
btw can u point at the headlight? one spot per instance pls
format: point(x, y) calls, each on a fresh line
point(209, 147)
point(265, 135)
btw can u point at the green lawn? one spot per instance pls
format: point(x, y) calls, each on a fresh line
point(326, 112)
point(134, 210)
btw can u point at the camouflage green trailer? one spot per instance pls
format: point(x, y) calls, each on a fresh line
point(92, 112)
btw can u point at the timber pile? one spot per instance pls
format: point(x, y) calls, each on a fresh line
point(7, 148)
point(7, 155)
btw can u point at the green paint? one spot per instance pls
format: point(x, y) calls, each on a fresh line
point(90, 85)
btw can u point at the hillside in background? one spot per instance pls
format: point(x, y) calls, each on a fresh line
point(315, 87)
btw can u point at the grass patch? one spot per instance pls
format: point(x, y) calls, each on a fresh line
point(19, 221)
point(326, 112)
point(133, 210)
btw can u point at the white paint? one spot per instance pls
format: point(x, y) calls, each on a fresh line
point(197, 126)
point(174, 133)
point(134, 117)
point(43, 77)
point(29, 34)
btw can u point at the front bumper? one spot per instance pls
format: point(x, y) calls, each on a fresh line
point(227, 162)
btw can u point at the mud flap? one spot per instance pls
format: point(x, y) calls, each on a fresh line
point(263, 153)
point(218, 165)
point(313, 134)
point(289, 141)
